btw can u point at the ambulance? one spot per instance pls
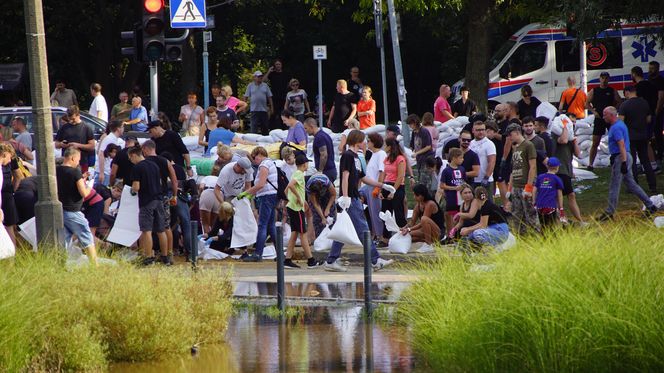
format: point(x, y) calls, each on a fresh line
point(543, 56)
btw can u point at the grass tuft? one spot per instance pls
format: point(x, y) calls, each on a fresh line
point(54, 318)
point(583, 301)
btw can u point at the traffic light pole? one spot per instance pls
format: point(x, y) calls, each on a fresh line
point(398, 70)
point(154, 90)
point(207, 37)
point(48, 210)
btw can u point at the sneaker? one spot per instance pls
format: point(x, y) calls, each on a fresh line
point(605, 217)
point(170, 259)
point(382, 263)
point(334, 267)
point(313, 263)
point(649, 211)
point(288, 264)
point(584, 224)
point(147, 261)
point(252, 258)
point(164, 260)
point(244, 255)
point(590, 168)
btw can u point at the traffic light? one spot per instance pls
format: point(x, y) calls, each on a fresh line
point(173, 52)
point(136, 48)
point(153, 30)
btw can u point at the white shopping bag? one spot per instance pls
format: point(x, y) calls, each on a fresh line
point(323, 242)
point(344, 230)
point(398, 243)
point(245, 226)
point(7, 249)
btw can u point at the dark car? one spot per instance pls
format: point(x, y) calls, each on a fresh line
point(7, 114)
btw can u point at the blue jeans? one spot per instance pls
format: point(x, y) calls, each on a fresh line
point(182, 212)
point(267, 206)
point(76, 224)
point(356, 212)
point(492, 235)
point(617, 179)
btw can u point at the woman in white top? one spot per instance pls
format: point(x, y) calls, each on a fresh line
point(296, 100)
point(191, 115)
point(265, 190)
point(375, 169)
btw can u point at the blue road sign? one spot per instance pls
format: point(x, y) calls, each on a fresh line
point(188, 14)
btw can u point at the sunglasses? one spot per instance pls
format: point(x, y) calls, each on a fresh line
point(466, 140)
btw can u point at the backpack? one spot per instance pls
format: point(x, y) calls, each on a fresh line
point(282, 183)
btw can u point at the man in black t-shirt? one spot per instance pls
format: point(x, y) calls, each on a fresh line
point(170, 141)
point(464, 106)
point(278, 80)
point(76, 134)
point(350, 172)
point(121, 166)
point(636, 115)
point(146, 181)
point(180, 212)
point(344, 108)
point(71, 191)
point(656, 79)
point(471, 161)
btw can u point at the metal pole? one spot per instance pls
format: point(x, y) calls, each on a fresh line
point(398, 70)
point(584, 69)
point(48, 210)
point(194, 244)
point(366, 242)
point(380, 43)
point(154, 90)
point(279, 246)
point(321, 120)
point(368, 346)
point(206, 74)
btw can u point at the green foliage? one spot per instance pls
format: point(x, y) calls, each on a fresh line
point(580, 301)
point(82, 319)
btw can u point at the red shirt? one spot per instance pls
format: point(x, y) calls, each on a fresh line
point(438, 107)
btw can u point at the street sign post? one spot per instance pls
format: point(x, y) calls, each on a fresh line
point(320, 54)
point(188, 14)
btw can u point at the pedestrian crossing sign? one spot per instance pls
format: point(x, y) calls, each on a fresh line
point(188, 14)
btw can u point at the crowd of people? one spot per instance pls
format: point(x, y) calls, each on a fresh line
point(511, 153)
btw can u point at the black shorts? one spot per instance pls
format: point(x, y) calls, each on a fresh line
point(94, 213)
point(9, 209)
point(151, 217)
point(297, 222)
point(504, 173)
point(568, 188)
point(599, 127)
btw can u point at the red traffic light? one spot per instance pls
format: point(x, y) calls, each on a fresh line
point(153, 6)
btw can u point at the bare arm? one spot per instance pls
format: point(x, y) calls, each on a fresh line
point(623, 150)
point(329, 119)
point(174, 179)
point(241, 106)
point(136, 186)
point(323, 158)
point(83, 189)
point(589, 99)
point(491, 164)
point(532, 170)
point(261, 182)
point(353, 111)
point(564, 136)
point(475, 172)
point(114, 172)
point(218, 193)
point(401, 175)
point(201, 135)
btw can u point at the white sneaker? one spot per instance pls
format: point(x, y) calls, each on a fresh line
point(382, 263)
point(334, 267)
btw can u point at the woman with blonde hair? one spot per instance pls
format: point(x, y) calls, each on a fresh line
point(366, 109)
point(221, 233)
point(233, 102)
point(296, 100)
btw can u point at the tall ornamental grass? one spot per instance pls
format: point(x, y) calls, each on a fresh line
point(577, 301)
point(53, 318)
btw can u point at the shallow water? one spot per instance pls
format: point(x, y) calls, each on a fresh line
point(332, 338)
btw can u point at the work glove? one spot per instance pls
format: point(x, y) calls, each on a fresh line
point(389, 188)
point(485, 183)
point(245, 195)
point(329, 220)
point(623, 168)
point(344, 202)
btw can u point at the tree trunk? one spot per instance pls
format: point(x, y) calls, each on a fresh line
point(477, 60)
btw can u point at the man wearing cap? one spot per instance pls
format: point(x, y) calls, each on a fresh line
point(524, 171)
point(170, 141)
point(635, 112)
point(261, 106)
point(234, 178)
point(598, 99)
point(621, 162)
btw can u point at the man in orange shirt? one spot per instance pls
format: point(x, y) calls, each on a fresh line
point(573, 100)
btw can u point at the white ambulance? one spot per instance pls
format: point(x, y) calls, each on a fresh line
point(543, 56)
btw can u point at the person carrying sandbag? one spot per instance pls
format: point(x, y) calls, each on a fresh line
point(351, 173)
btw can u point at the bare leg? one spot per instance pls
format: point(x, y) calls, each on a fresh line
point(92, 254)
point(169, 241)
point(163, 242)
point(417, 236)
point(291, 245)
point(145, 242)
point(11, 231)
point(574, 207)
point(205, 221)
point(593, 150)
point(304, 240)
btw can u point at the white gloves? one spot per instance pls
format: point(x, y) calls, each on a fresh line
point(389, 188)
point(344, 202)
point(329, 220)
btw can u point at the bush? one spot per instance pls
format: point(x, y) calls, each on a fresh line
point(584, 301)
point(82, 319)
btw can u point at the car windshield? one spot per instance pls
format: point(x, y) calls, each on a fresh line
point(500, 54)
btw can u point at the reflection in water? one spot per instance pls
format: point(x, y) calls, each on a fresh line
point(380, 291)
point(326, 339)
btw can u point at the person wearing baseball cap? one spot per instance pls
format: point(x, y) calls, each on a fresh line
point(261, 105)
point(548, 195)
point(233, 179)
point(520, 186)
point(598, 99)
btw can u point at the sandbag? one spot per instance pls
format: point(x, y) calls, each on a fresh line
point(265, 139)
point(583, 131)
point(7, 248)
point(659, 221)
point(375, 129)
point(545, 109)
point(399, 243)
point(245, 227)
point(323, 242)
point(344, 231)
point(557, 126)
point(508, 244)
point(463, 120)
point(251, 137)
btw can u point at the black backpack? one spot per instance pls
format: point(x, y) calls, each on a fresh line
point(282, 183)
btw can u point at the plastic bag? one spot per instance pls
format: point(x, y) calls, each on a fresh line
point(323, 242)
point(508, 244)
point(399, 243)
point(245, 227)
point(659, 221)
point(7, 249)
point(344, 230)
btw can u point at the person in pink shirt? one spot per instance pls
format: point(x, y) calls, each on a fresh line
point(233, 102)
point(427, 122)
point(442, 112)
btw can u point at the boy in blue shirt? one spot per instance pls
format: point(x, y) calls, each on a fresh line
point(548, 195)
point(451, 182)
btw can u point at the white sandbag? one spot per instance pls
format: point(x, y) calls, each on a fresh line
point(545, 109)
point(251, 137)
point(581, 124)
point(343, 230)
point(269, 252)
point(604, 147)
point(7, 248)
point(581, 174)
point(206, 253)
point(585, 145)
point(425, 248)
point(556, 126)
point(454, 123)
point(323, 242)
point(265, 139)
point(245, 227)
point(287, 234)
point(657, 200)
point(29, 232)
point(409, 157)
point(659, 221)
point(511, 242)
point(582, 138)
point(278, 134)
point(583, 131)
point(463, 120)
point(399, 243)
point(375, 129)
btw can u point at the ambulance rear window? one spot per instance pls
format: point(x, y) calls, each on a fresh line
point(601, 54)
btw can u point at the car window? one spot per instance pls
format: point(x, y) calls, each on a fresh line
point(527, 58)
point(601, 54)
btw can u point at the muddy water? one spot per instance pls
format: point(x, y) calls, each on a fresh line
point(335, 337)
